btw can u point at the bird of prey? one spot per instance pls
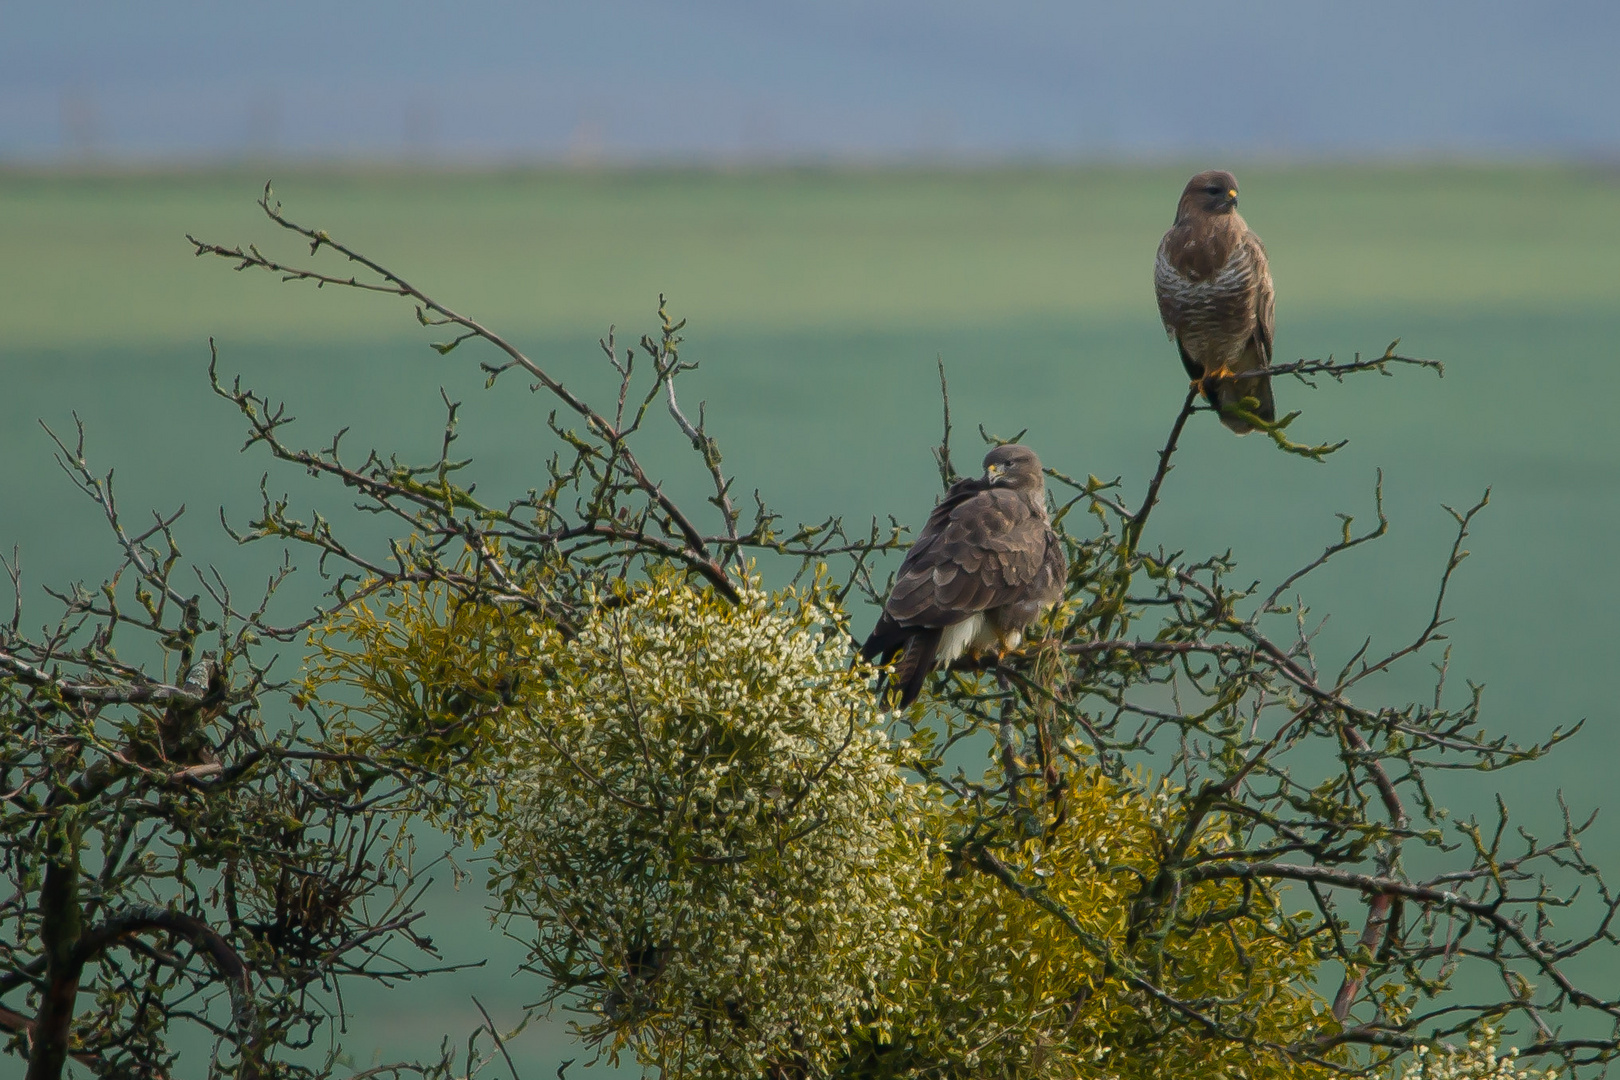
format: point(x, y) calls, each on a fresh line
point(1215, 297)
point(986, 565)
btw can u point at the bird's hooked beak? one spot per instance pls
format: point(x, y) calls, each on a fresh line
point(993, 473)
point(1231, 196)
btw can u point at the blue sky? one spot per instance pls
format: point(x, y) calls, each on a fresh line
point(799, 80)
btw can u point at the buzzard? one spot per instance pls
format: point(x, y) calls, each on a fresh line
point(986, 565)
point(1215, 297)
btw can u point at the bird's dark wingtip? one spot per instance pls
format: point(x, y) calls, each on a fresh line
point(916, 663)
point(887, 638)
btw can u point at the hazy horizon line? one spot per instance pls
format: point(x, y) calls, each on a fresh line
point(78, 164)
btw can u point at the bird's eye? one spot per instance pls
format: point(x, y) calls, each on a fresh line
point(1212, 191)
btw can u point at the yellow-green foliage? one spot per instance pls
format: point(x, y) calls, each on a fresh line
point(1010, 990)
point(697, 812)
point(420, 677)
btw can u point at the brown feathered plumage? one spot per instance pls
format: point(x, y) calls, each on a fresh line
point(1215, 297)
point(986, 565)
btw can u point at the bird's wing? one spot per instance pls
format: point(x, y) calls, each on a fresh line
point(1054, 569)
point(1265, 300)
point(1253, 305)
point(980, 550)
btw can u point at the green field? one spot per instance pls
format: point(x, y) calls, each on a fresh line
point(818, 303)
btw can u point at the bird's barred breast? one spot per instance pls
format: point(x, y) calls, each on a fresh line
point(1218, 307)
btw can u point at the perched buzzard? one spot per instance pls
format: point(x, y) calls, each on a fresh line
point(1215, 296)
point(986, 565)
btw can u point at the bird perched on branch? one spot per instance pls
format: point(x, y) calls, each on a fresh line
point(1215, 298)
point(985, 567)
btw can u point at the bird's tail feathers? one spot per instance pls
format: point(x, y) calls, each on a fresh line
point(886, 639)
point(915, 663)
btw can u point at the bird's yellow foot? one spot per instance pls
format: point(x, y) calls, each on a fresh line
point(1005, 648)
point(1222, 372)
point(986, 658)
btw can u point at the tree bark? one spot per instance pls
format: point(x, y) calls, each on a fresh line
point(62, 923)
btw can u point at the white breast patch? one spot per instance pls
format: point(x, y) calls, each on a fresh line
point(976, 633)
point(958, 636)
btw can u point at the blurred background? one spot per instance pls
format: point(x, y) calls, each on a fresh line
point(839, 195)
point(803, 80)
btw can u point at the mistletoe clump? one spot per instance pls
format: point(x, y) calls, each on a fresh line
point(1062, 985)
point(1482, 1058)
point(709, 830)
